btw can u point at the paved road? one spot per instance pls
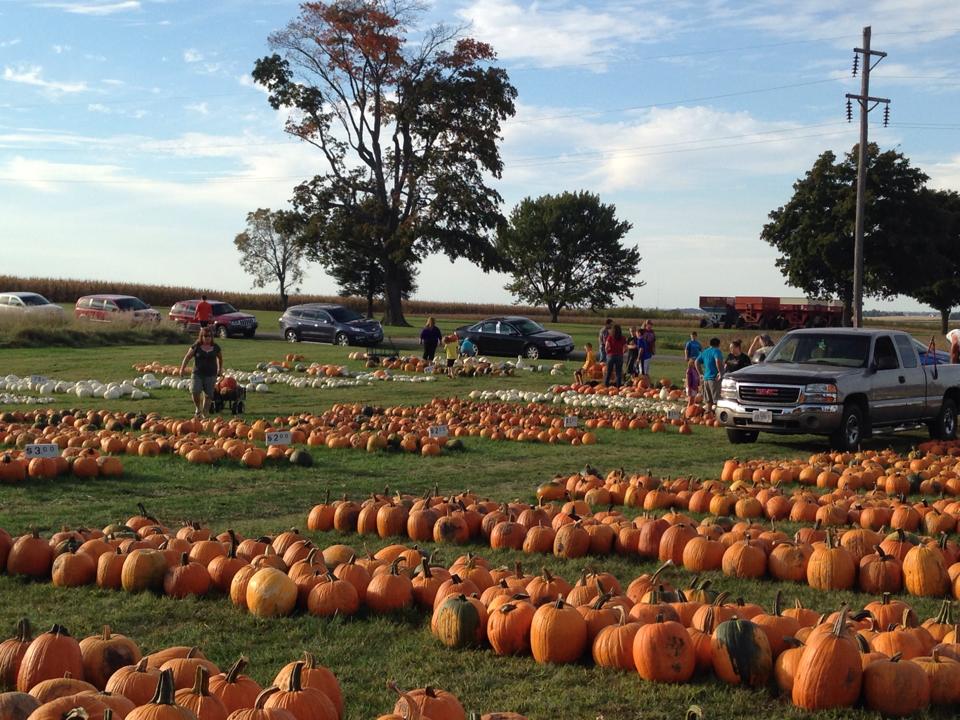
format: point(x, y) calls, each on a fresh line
point(413, 344)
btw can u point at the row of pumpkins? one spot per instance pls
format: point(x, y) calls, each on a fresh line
point(826, 559)
point(84, 463)
point(920, 471)
point(104, 676)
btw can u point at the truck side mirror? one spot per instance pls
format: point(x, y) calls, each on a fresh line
point(873, 366)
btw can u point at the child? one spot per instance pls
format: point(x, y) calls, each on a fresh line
point(588, 363)
point(693, 382)
point(451, 348)
point(467, 348)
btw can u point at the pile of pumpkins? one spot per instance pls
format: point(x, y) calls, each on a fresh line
point(106, 675)
point(94, 439)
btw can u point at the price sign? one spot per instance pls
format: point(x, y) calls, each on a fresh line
point(438, 431)
point(571, 421)
point(278, 437)
point(38, 379)
point(41, 450)
point(673, 414)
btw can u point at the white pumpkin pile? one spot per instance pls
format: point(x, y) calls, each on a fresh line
point(9, 399)
point(634, 406)
point(81, 388)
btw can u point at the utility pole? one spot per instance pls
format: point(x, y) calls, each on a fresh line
point(864, 101)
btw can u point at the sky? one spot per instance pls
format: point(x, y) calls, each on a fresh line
point(133, 141)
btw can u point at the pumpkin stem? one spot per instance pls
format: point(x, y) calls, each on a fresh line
point(58, 629)
point(105, 635)
point(184, 559)
point(294, 682)
point(201, 682)
point(309, 660)
point(24, 631)
point(234, 672)
point(78, 713)
point(694, 712)
point(841, 624)
point(165, 689)
point(262, 697)
point(776, 603)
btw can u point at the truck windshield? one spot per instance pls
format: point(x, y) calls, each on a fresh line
point(344, 315)
point(827, 349)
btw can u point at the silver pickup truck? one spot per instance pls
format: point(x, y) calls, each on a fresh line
point(844, 383)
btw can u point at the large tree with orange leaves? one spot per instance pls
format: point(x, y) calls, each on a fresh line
point(407, 130)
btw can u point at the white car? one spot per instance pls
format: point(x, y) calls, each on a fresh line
point(28, 303)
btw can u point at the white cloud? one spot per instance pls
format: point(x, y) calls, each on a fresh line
point(653, 149)
point(94, 7)
point(9, 43)
point(112, 81)
point(895, 23)
point(561, 33)
point(200, 108)
point(60, 49)
point(98, 108)
point(945, 175)
point(32, 75)
point(191, 56)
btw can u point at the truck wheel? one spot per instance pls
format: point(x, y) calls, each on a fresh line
point(945, 425)
point(739, 437)
point(850, 433)
point(220, 331)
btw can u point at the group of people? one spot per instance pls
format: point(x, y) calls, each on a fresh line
point(453, 347)
point(707, 366)
point(618, 354)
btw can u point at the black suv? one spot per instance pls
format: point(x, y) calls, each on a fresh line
point(335, 324)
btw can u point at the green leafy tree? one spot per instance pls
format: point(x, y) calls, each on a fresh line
point(349, 252)
point(407, 121)
point(814, 231)
point(566, 251)
point(934, 258)
point(269, 250)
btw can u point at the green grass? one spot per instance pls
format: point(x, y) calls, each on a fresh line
point(366, 650)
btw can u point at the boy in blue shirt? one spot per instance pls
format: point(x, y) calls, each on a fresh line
point(711, 363)
point(693, 348)
point(467, 348)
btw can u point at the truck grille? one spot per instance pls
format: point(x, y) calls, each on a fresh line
point(761, 394)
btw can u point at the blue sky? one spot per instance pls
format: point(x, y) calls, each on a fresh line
point(133, 141)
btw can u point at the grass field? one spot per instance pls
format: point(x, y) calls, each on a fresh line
point(366, 650)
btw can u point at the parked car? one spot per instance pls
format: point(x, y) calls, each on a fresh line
point(513, 336)
point(323, 322)
point(107, 308)
point(28, 303)
point(844, 383)
point(227, 320)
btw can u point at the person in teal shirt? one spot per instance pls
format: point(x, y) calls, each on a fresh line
point(711, 363)
point(693, 348)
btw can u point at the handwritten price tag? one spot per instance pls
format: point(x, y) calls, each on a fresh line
point(41, 450)
point(279, 437)
point(673, 414)
point(571, 421)
point(438, 431)
point(38, 379)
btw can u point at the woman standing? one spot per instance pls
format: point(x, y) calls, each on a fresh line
point(430, 337)
point(615, 346)
point(207, 365)
point(633, 354)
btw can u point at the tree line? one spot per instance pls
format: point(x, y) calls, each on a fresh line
point(407, 134)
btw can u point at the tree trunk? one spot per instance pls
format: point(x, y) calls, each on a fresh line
point(847, 299)
point(944, 320)
point(284, 299)
point(393, 295)
point(554, 311)
point(371, 290)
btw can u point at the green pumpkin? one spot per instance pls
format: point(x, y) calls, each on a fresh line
point(458, 623)
point(742, 647)
point(301, 458)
